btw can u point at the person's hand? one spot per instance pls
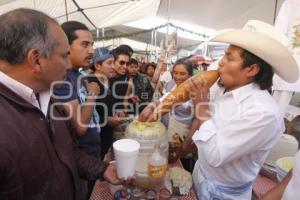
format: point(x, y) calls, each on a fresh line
point(161, 87)
point(135, 99)
point(114, 121)
point(92, 87)
point(147, 114)
point(120, 114)
point(199, 95)
point(110, 175)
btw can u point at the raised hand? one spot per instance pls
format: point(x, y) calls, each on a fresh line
point(92, 87)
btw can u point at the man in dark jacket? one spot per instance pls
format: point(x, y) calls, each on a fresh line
point(143, 90)
point(38, 157)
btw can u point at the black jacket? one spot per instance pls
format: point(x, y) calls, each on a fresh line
point(38, 157)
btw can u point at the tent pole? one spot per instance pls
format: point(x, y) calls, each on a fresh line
point(275, 11)
point(176, 44)
point(66, 10)
point(147, 53)
point(106, 5)
point(152, 43)
point(167, 36)
point(155, 41)
point(79, 9)
point(103, 34)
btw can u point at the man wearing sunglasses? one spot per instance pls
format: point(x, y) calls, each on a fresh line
point(121, 62)
point(119, 83)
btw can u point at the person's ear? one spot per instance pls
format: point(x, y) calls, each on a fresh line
point(253, 70)
point(33, 59)
point(97, 66)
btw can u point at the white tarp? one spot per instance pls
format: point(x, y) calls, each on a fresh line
point(214, 14)
point(104, 13)
point(220, 14)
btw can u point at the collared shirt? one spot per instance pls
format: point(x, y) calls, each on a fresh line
point(288, 22)
point(27, 93)
point(292, 189)
point(232, 145)
point(165, 77)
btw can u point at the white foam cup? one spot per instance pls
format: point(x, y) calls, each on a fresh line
point(126, 152)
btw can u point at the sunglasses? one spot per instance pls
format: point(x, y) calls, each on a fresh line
point(123, 63)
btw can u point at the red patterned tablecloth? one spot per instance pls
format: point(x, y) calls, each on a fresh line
point(101, 190)
point(262, 185)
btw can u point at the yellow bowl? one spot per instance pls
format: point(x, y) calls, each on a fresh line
point(285, 163)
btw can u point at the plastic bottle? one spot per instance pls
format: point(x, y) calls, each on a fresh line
point(157, 166)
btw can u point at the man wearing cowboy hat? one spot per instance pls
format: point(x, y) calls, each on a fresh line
point(240, 122)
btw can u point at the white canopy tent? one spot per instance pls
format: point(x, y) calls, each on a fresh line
point(108, 18)
point(113, 14)
point(95, 14)
point(215, 14)
point(219, 14)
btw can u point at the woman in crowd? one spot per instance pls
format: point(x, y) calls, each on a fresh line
point(179, 120)
point(182, 70)
point(149, 69)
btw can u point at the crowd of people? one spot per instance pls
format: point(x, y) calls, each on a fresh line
point(61, 100)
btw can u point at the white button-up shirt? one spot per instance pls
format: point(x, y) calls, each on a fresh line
point(292, 190)
point(26, 93)
point(232, 146)
point(287, 22)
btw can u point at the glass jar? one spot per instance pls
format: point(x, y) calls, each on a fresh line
point(148, 134)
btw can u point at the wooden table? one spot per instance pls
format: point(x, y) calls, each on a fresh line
point(101, 190)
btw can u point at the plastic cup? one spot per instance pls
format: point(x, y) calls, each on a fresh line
point(126, 152)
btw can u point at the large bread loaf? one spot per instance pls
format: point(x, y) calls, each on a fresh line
point(182, 93)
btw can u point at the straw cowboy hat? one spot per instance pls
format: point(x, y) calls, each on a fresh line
point(264, 41)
